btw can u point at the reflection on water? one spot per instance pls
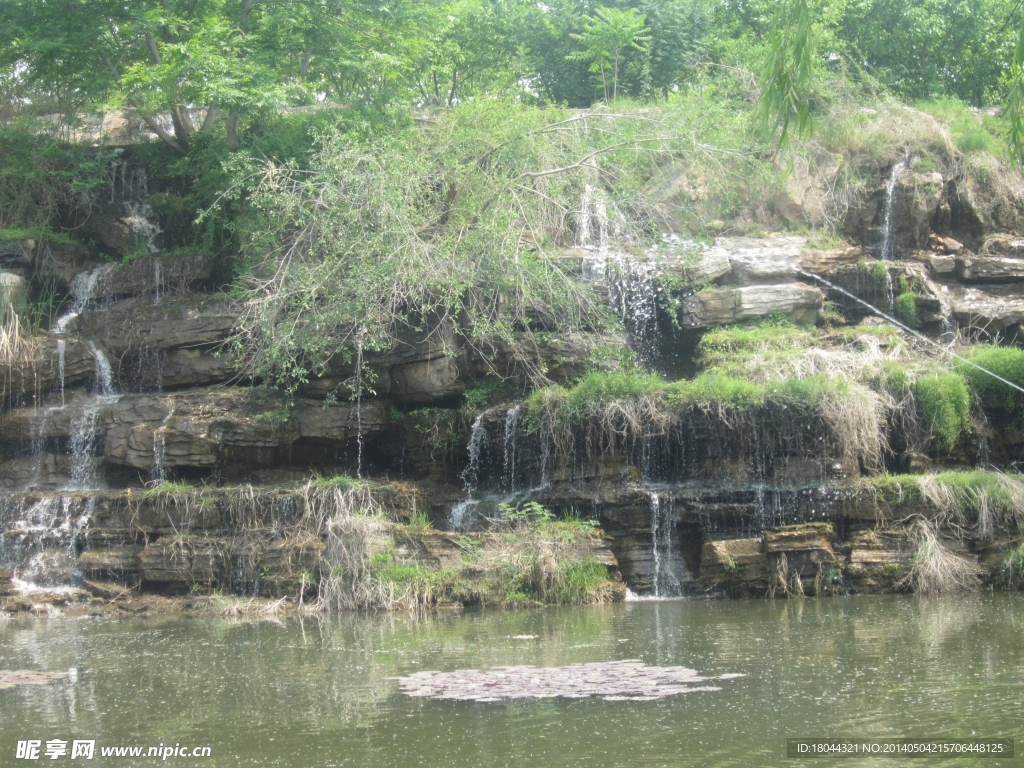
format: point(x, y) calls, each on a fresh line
point(319, 693)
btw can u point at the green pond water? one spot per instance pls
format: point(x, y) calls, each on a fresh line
point(317, 692)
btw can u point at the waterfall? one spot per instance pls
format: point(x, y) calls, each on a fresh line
point(470, 475)
point(665, 582)
point(359, 410)
point(477, 440)
point(60, 368)
point(84, 428)
point(632, 285)
point(633, 294)
point(513, 419)
point(40, 540)
point(890, 195)
point(159, 471)
point(83, 290)
point(129, 188)
point(157, 277)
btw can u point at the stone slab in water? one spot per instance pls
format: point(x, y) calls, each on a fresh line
point(9, 678)
point(629, 680)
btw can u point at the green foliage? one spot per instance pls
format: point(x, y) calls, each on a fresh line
point(440, 429)
point(966, 126)
point(713, 388)
point(1007, 362)
point(605, 37)
point(577, 583)
point(944, 402)
point(784, 101)
point(977, 497)
point(771, 335)
point(879, 273)
point(529, 513)
point(41, 180)
point(478, 397)
point(167, 488)
point(906, 308)
point(1011, 571)
point(387, 230)
point(279, 416)
point(419, 521)
point(1014, 109)
point(341, 482)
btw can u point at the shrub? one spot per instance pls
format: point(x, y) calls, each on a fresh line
point(944, 403)
point(906, 308)
point(1007, 362)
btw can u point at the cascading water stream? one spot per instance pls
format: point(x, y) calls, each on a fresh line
point(470, 475)
point(84, 429)
point(664, 581)
point(83, 290)
point(632, 285)
point(129, 188)
point(887, 252)
point(159, 471)
point(513, 419)
point(40, 540)
point(61, 353)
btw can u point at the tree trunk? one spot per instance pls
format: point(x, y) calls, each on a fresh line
point(183, 127)
point(233, 130)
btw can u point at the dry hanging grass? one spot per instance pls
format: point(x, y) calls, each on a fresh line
point(934, 568)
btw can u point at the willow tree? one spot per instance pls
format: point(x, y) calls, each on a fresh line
point(783, 106)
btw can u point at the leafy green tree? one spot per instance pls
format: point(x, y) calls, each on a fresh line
point(469, 45)
point(1015, 100)
point(606, 36)
point(788, 70)
point(234, 57)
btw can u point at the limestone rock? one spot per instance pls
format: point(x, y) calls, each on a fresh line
point(807, 546)
point(756, 260)
point(338, 423)
point(941, 265)
point(37, 372)
point(992, 308)
point(46, 472)
point(738, 565)
point(17, 254)
point(177, 565)
point(1004, 245)
point(13, 293)
point(110, 563)
point(200, 430)
point(157, 274)
point(819, 261)
point(195, 367)
point(797, 301)
point(878, 560)
point(421, 383)
point(134, 324)
point(60, 262)
point(990, 269)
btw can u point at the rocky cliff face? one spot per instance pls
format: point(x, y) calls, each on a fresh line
point(134, 451)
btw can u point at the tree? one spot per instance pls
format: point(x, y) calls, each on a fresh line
point(1015, 101)
point(785, 84)
point(606, 35)
point(235, 57)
